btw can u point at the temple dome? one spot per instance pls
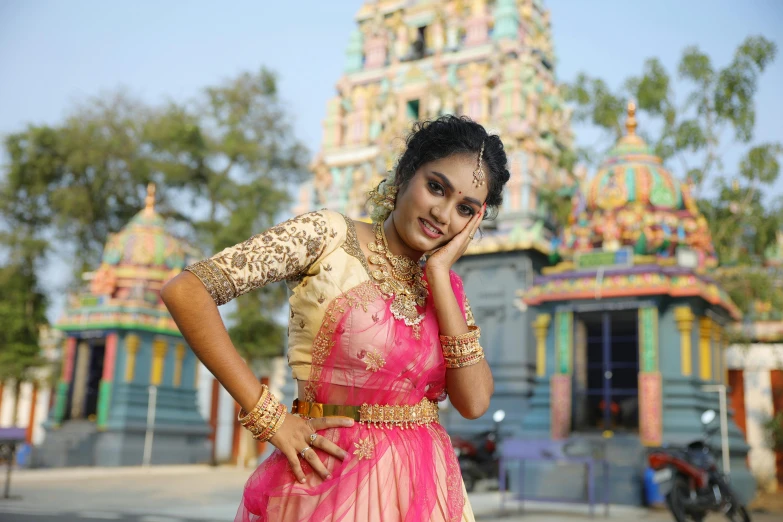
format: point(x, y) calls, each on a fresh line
point(633, 201)
point(141, 256)
point(144, 242)
point(632, 173)
point(124, 292)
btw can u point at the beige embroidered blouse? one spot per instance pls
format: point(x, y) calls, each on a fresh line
point(319, 256)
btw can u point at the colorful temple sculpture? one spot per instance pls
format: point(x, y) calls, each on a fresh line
point(493, 62)
point(755, 373)
point(629, 325)
point(120, 342)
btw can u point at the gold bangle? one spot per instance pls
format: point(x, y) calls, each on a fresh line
point(248, 419)
point(460, 351)
point(463, 361)
point(265, 418)
point(277, 422)
point(472, 334)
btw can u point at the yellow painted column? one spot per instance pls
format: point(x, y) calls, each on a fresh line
point(179, 352)
point(159, 349)
point(540, 328)
point(132, 343)
point(684, 318)
point(705, 351)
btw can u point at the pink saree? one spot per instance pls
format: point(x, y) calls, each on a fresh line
point(362, 354)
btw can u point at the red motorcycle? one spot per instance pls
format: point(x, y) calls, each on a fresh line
point(691, 482)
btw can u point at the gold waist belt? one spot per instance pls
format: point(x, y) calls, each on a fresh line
point(389, 415)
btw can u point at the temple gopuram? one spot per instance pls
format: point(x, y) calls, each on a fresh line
point(491, 61)
point(629, 325)
point(120, 342)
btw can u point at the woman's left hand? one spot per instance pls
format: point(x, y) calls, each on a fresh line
point(445, 257)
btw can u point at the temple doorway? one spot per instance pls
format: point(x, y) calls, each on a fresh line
point(94, 374)
point(606, 369)
point(85, 386)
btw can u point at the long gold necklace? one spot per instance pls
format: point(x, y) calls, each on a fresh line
point(404, 282)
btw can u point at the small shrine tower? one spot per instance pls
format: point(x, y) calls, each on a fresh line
point(493, 62)
point(630, 327)
point(121, 340)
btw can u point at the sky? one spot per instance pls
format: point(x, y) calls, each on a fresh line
point(56, 53)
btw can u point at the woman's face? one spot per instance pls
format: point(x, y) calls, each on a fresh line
point(438, 202)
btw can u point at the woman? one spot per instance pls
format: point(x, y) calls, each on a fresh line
point(375, 340)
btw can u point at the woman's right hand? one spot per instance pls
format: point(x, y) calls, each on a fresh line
point(294, 436)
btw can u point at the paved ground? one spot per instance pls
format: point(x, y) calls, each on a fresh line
point(204, 494)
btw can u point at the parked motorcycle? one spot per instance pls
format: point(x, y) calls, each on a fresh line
point(477, 457)
point(691, 482)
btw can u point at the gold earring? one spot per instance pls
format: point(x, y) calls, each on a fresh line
point(387, 200)
point(390, 201)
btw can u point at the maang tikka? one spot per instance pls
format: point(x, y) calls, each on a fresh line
point(478, 174)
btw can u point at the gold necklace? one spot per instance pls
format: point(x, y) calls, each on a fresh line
point(403, 268)
point(404, 282)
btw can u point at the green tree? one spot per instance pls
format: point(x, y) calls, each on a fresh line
point(224, 163)
point(75, 183)
point(690, 130)
point(233, 152)
point(22, 313)
point(719, 102)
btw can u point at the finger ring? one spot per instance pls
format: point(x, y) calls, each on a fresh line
point(470, 236)
point(313, 436)
point(302, 453)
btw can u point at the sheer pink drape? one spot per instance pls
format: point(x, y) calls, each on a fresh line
point(363, 355)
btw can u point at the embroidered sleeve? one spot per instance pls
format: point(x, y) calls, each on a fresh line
point(282, 252)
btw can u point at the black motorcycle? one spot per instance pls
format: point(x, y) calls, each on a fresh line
point(478, 459)
point(691, 482)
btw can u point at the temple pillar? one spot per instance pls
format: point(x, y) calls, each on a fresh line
point(79, 384)
point(31, 419)
point(179, 358)
point(684, 318)
point(132, 343)
point(560, 384)
point(540, 328)
point(107, 379)
point(159, 349)
point(650, 382)
point(705, 348)
point(61, 400)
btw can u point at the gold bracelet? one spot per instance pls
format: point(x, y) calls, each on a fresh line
point(252, 418)
point(472, 334)
point(463, 361)
point(461, 345)
point(467, 349)
point(265, 418)
point(277, 422)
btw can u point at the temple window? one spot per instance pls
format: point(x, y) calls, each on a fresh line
point(419, 46)
point(412, 109)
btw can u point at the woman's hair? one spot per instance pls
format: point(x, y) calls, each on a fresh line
point(443, 137)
